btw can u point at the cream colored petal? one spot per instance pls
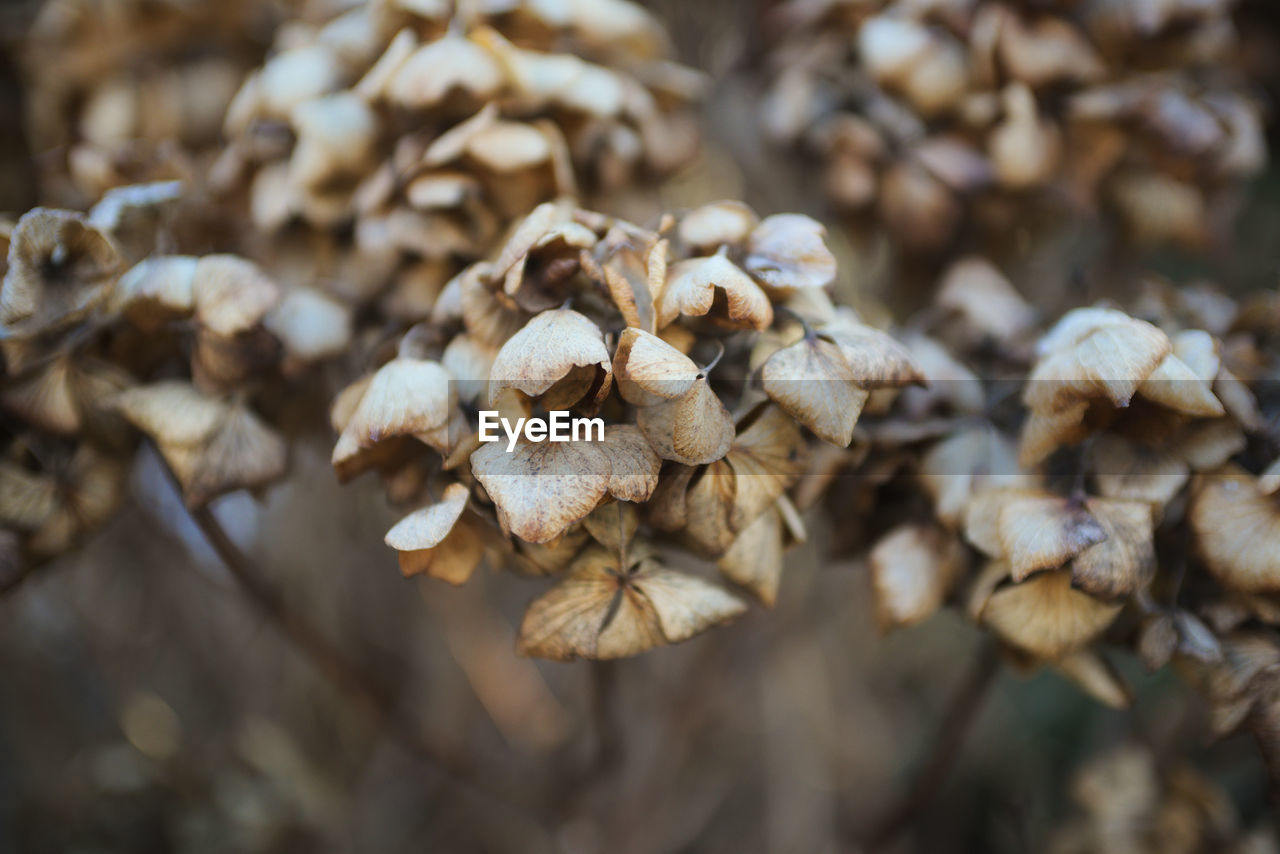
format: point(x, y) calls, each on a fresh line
point(789, 251)
point(650, 370)
point(428, 526)
point(544, 352)
point(540, 489)
point(812, 382)
point(1045, 616)
point(693, 429)
point(912, 570)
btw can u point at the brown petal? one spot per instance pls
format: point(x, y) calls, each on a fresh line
point(692, 286)
point(1094, 675)
point(157, 290)
point(957, 468)
point(172, 412)
point(602, 611)
point(243, 453)
point(649, 370)
point(437, 540)
point(633, 466)
point(540, 489)
point(985, 300)
point(1174, 384)
point(1125, 469)
point(405, 397)
point(754, 560)
point(231, 294)
point(1237, 530)
point(876, 358)
point(311, 325)
point(1045, 615)
point(1123, 563)
point(60, 268)
point(717, 224)
point(547, 350)
point(912, 570)
point(449, 63)
point(693, 429)
point(1094, 353)
point(812, 382)
point(788, 251)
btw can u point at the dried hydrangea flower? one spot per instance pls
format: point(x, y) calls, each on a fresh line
point(60, 268)
point(978, 120)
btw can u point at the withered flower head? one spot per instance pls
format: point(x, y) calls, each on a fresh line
point(54, 508)
point(60, 269)
point(213, 445)
point(1237, 529)
point(946, 123)
point(614, 604)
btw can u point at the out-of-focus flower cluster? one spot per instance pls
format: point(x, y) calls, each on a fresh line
point(964, 122)
point(1110, 480)
point(1126, 801)
point(126, 91)
point(394, 141)
point(104, 336)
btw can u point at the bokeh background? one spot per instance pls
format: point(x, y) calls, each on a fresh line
point(148, 705)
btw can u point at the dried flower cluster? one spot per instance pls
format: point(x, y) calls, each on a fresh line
point(97, 347)
point(401, 138)
point(1109, 480)
point(129, 91)
point(410, 190)
point(701, 344)
point(1126, 802)
point(953, 121)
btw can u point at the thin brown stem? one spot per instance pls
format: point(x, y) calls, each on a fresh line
point(351, 681)
point(961, 713)
point(604, 714)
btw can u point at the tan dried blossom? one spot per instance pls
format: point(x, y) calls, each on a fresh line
point(213, 445)
point(988, 116)
point(60, 268)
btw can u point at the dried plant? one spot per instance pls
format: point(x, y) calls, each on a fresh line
point(132, 91)
point(1128, 499)
point(659, 332)
point(407, 226)
point(401, 138)
point(178, 347)
point(1128, 803)
point(955, 124)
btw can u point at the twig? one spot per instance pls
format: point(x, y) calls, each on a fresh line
point(604, 714)
point(955, 726)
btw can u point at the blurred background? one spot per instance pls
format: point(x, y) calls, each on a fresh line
point(148, 705)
